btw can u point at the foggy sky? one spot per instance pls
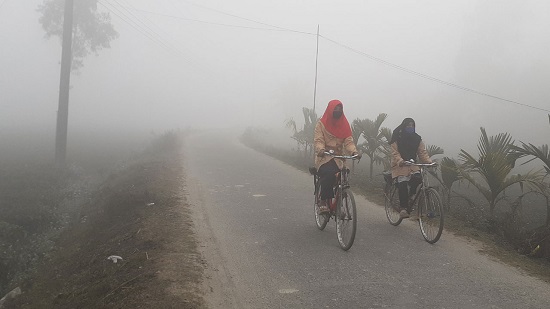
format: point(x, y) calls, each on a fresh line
point(214, 70)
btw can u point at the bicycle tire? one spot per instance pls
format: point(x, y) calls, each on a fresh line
point(321, 220)
point(430, 215)
point(346, 220)
point(391, 205)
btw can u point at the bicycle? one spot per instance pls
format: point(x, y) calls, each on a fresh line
point(342, 206)
point(426, 202)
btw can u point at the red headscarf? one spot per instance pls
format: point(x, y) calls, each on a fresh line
point(337, 127)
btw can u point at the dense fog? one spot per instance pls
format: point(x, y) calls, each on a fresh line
point(453, 66)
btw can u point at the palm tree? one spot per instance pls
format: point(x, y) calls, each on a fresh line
point(304, 137)
point(434, 150)
point(356, 130)
point(374, 138)
point(450, 173)
point(291, 124)
point(542, 153)
point(384, 157)
point(496, 161)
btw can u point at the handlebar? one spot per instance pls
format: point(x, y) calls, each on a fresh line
point(331, 153)
point(411, 162)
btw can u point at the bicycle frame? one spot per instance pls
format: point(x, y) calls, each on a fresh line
point(425, 181)
point(427, 204)
point(342, 180)
point(342, 207)
point(342, 183)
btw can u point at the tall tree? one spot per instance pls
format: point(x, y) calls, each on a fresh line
point(92, 29)
point(82, 30)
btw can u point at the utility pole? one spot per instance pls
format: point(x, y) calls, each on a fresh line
point(64, 83)
point(316, 58)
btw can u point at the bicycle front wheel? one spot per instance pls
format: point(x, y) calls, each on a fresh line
point(346, 220)
point(321, 220)
point(430, 215)
point(391, 205)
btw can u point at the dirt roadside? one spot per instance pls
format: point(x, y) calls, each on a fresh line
point(140, 214)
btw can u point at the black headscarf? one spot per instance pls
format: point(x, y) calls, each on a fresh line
point(407, 143)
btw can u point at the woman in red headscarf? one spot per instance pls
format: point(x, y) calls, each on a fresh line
point(332, 132)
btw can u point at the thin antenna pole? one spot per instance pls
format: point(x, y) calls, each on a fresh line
point(316, 59)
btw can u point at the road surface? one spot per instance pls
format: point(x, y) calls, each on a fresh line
point(254, 219)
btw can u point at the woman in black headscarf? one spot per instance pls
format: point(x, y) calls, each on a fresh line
point(407, 145)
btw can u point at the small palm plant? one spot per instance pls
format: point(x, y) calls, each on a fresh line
point(543, 154)
point(304, 137)
point(434, 150)
point(374, 137)
point(450, 174)
point(384, 156)
point(494, 165)
point(356, 130)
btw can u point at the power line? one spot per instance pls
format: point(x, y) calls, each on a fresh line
point(192, 63)
point(145, 30)
point(136, 18)
point(205, 69)
point(248, 19)
point(151, 35)
point(385, 62)
point(136, 26)
point(431, 77)
point(219, 24)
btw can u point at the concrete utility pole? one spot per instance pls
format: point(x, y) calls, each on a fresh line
point(65, 80)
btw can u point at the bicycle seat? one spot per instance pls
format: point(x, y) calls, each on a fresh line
point(387, 176)
point(313, 170)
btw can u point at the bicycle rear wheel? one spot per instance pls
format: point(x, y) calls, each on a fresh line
point(430, 215)
point(346, 220)
point(391, 205)
point(321, 220)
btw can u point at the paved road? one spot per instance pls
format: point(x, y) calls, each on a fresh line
point(254, 218)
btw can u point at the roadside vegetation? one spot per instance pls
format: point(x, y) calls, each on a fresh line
point(499, 194)
point(122, 198)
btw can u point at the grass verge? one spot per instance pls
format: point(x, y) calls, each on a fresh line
point(139, 213)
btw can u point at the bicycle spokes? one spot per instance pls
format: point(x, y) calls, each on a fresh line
point(346, 223)
point(431, 215)
point(392, 207)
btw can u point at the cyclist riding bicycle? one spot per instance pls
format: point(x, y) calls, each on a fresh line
point(332, 132)
point(407, 145)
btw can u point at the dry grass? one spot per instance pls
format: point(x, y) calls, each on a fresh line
point(119, 219)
